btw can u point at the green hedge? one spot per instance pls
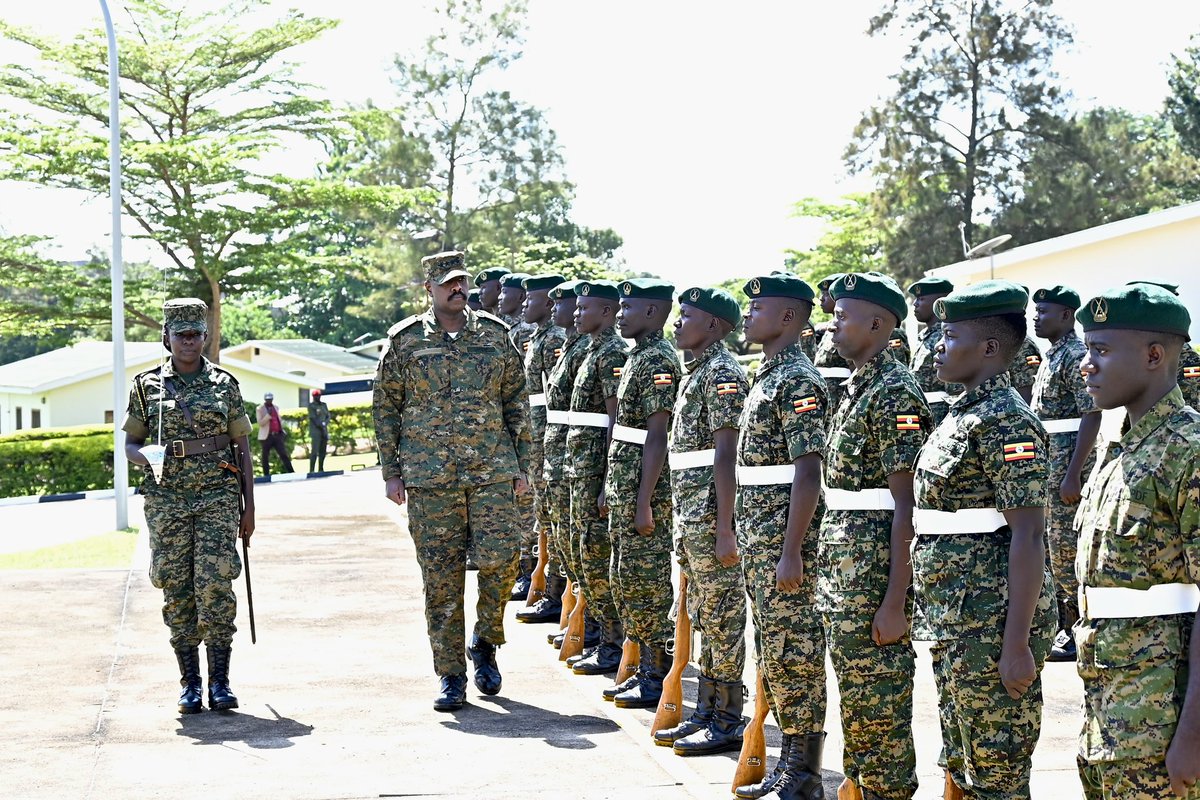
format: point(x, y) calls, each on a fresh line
point(71, 462)
point(41, 434)
point(351, 429)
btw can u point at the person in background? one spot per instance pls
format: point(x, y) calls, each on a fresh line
point(318, 432)
point(271, 435)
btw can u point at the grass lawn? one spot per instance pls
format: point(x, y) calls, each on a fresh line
point(108, 550)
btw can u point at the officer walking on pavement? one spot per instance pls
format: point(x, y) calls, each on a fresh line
point(452, 425)
point(318, 432)
point(194, 409)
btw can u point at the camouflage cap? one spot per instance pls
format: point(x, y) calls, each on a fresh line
point(930, 285)
point(441, 267)
point(983, 299)
point(513, 279)
point(605, 289)
point(1139, 307)
point(718, 302)
point(490, 274)
point(1173, 288)
point(185, 314)
point(873, 287)
point(827, 281)
point(565, 289)
point(647, 289)
point(1062, 295)
point(779, 286)
point(540, 283)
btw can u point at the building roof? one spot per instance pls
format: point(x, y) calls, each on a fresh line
point(72, 364)
point(313, 350)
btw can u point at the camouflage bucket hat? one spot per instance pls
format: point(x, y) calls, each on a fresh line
point(185, 314)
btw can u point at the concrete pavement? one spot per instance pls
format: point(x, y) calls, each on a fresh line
point(336, 696)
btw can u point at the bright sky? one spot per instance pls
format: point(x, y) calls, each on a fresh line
point(689, 132)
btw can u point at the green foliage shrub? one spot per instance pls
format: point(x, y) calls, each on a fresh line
point(58, 461)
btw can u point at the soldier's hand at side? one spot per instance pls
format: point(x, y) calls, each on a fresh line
point(520, 486)
point(790, 573)
point(394, 489)
point(889, 625)
point(727, 552)
point(643, 520)
point(1071, 489)
point(1017, 670)
point(1183, 759)
point(246, 526)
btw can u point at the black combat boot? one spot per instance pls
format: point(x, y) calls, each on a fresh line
point(453, 694)
point(801, 778)
point(655, 663)
point(1064, 647)
point(189, 679)
point(698, 721)
point(611, 692)
point(753, 791)
point(725, 727)
point(607, 656)
point(487, 674)
point(520, 589)
point(220, 697)
point(549, 607)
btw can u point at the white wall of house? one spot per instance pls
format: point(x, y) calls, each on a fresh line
point(267, 358)
point(82, 403)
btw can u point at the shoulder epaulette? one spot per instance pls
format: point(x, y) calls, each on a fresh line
point(150, 371)
point(402, 324)
point(223, 371)
point(493, 318)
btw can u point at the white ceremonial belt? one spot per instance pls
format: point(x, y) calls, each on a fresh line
point(937, 397)
point(965, 520)
point(692, 459)
point(624, 433)
point(766, 476)
point(862, 500)
point(1106, 602)
point(1061, 425)
point(555, 416)
point(834, 372)
point(587, 419)
point(538, 399)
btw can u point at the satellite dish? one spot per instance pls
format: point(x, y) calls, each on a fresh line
point(987, 247)
point(431, 233)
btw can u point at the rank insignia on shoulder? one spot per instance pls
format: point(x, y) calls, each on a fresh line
point(727, 388)
point(895, 344)
point(558, 352)
point(1020, 451)
point(663, 379)
point(908, 422)
point(617, 372)
point(804, 405)
point(1191, 372)
point(1033, 361)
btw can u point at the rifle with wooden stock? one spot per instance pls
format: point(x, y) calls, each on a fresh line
point(537, 581)
point(573, 639)
point(752, 761)
point(670, 704)
point(631, 654)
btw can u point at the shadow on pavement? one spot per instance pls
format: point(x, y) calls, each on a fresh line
point(260, 733)
point(514, 719)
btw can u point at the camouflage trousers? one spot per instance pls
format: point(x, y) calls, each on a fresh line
point(788, 637)
point(641, 566)
point(716, 600)
point(443, 522)
point(876, 683)
point(527, 524)
point(541, 503)
point(987, 737)
point(558, 508)
point(589, 535)
point(1132, 779)
point(194, 560)
point(1061, 537)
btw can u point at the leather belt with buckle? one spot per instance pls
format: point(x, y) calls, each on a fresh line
point(193, 447)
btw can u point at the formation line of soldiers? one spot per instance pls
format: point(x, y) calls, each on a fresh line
point(860, 499)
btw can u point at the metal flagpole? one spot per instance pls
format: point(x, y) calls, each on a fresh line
point(120, 463)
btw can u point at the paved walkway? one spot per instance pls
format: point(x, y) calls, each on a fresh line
point(336, 696)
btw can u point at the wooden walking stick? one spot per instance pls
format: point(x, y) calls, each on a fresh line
point(573, 640)
point(752, 761)
point(537, 581)
point(670, 704)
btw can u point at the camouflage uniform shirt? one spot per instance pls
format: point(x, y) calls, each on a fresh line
point(598, 379)
point(808, 340)
point(649, 380)
point(544, 349)
point(898, 346)
point(1025, 364)
point(710, 398)
point(827, 358)
point(1189, 376)
point(558, 398)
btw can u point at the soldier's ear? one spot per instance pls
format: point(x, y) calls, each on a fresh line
point(1156, 356)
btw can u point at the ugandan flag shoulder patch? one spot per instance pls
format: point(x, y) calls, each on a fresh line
point(663, 379)
point(804, 405)
point(1020, 450)
point(1033, 361)
point(807, 333)
point(895, 344)
point(727, 387)
point(525, 346)
point(558, 352)
point(1191, 372)
point(908, 422)
point(617, 371)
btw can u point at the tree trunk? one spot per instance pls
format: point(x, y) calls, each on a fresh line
point(213, 347)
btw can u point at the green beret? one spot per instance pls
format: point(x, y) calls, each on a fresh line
point(185, 314)
point(513, 279)
point(490, 274)
point(1173, 288)
point(605, 289)
point(565, 289)
point(441, 267)
point(537, 283)
point(779, 286)
point(1139, 307)
point(647, 289)
point(828, 280)
point(1062, 295)
point(874, 288)
point(983, 299)
point(718, 302)
point(473, 294)
point(927, 286)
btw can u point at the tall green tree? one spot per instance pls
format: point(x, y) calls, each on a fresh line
point(849, 242)
point(1183, 102)
point(204, 98)
point(975, 91)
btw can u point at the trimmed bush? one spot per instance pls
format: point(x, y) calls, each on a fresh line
point(351, 429)
point(72, 461)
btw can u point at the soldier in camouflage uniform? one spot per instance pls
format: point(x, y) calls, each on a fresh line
point(488, 283)
point(703, 462)
point(925, 293)
point(898, 346)
point(593, 411)
point(638, 486)
point(983, 594)
point(544, 349)
point(1024, 369)
point(1139, 557)
point(808, 341)
point(194, 409)
point(833, 368)
point(1072, 421)
point(864, 571)
point(473, 301)
point(1189, 359)
point(452, 424)
point(779, 508)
